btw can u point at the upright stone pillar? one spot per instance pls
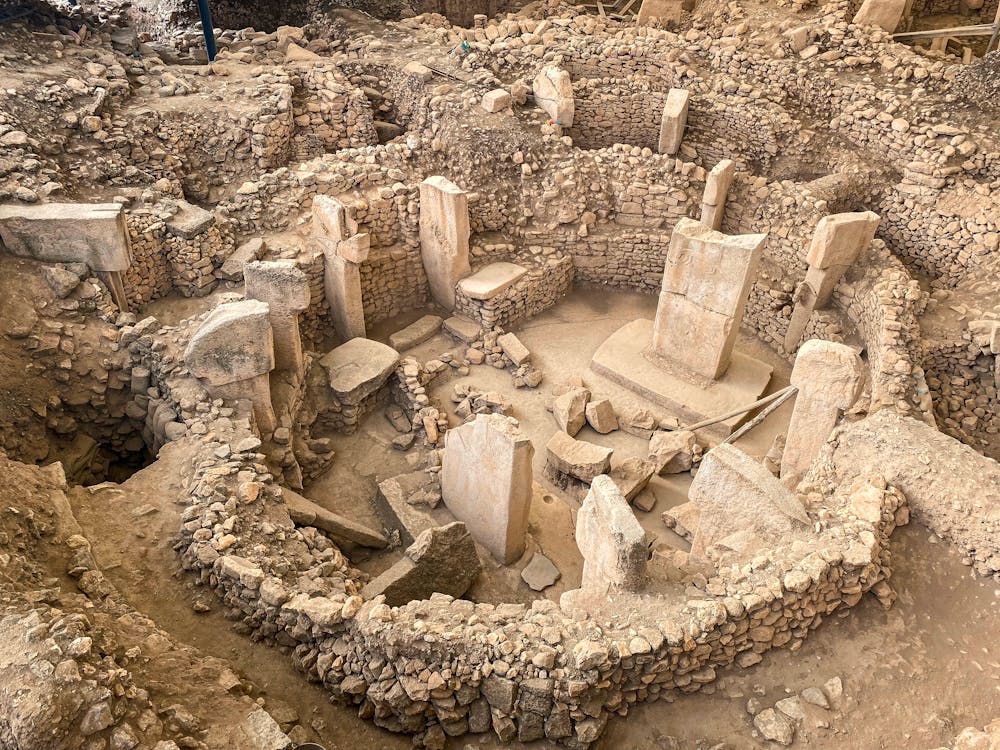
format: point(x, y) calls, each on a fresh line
point(741, 505)
point(444, 237)
point(829, 377)
point(837, 242)
point(285, 288)
point(344, 250)
point(613, 545)
point(233, 352)
point(706, 282)
point(713, 203)
point(673, 121)
point(486, 482)
point(553, 92)
point(659, 10)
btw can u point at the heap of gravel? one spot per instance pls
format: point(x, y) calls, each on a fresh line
point(979, 82)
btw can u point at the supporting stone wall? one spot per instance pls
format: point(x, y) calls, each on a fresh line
point(546, 282)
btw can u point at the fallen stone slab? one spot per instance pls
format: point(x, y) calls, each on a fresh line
point(489, 281)
point(673, 452)
point(577, 458)
point(632, 475)
point(251, 250)
point(442, 560)
point(513, 348)
point(570, 410)
point(304, 512)
point(682, 519)
point(463, 329)
point(259, 731)
point(540, 572)
point(359, 368)
point(189, 221)
point(601, 416)
point(416, 333)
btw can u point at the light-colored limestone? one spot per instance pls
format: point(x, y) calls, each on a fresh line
point(577, 458)
point(344, 250)
point(829, 377)
point(659, 10)
point(713, 203)
point(358, 368)
point(613, 545)
point(836, 244)
point(883, 13)
point(673, 121)
point(486, 482)
point(444, 237)
point(706, 282)
point(570, 410)
point(553, 92)
point(496, 100)
point(285, 289)
point(490, 280)
point(742, 506)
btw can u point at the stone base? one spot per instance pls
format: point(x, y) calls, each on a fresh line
point(624, 358)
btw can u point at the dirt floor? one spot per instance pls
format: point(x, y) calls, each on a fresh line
point(912, 675)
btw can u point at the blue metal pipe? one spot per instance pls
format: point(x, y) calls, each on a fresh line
point(208, 28)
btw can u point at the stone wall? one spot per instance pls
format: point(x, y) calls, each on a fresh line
point(548, 280)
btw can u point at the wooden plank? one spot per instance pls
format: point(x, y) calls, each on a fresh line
point(600, 8)
point(628, 5)
point(978, 30)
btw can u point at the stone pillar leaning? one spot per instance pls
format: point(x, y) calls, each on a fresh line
point(713, 203)
point(285, 289)
point(444, 237)
point(829, 377)
point(706, 282)
point(673, 121)
point(233, 352)
point(837, 242)
point(344, 250)
point(486, 482)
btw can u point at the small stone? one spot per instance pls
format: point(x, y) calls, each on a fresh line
point(775, 726)
point(540, 572)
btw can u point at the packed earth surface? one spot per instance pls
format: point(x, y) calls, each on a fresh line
point(461, 374)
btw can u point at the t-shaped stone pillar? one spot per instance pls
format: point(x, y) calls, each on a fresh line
point(837, 242)
point(486, 482)
point(285, 288)
point(713, 203)
point(613, 545)
point(673, 121)
point(233, 352)
point(829, 377)
point(444, 237)
point(344, 250)
point(706, 282)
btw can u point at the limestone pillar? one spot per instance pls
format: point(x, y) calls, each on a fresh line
point(673, 121)
point(659, 10)
point(233, 352)
point(885, 14)
point(613, 545)
point(741, 505)
point(344, 250)
point(713, 203)
point(91, 233)
point(706, 282)
point(444, 237)
point(486, 482)
point(285, 289)
point(837, 242)
point(553, 92)
point(829, 377)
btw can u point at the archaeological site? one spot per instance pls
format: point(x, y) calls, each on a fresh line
point(481, 374)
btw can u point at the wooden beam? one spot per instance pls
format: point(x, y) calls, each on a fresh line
point(600, 8)
point(981, 29)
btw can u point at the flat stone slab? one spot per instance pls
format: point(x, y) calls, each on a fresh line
point(489, 281)
point(189, 221)
point(577, 458)
point(463, 329)
point(304, 512)
point(416, 333)
point(623, 359)
point(91, 233)
point(540, 573)
point(359, 368)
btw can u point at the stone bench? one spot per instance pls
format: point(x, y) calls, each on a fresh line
point(496, 295)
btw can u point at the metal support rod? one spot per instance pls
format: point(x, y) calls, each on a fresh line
point(742, 409)
point(208, 29)
point(764, 414)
